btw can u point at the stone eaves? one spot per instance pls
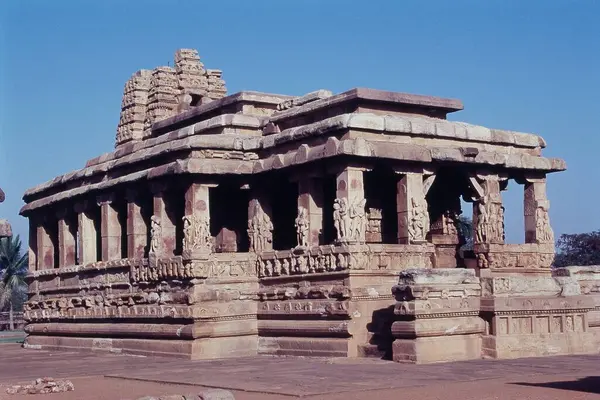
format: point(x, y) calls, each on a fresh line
point(244, 133)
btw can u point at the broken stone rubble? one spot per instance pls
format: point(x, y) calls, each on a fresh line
point(210, 394)
point(42, 386)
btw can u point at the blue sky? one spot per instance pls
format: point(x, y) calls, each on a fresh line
point(530, 66)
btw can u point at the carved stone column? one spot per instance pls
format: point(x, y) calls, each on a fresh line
point(310, 211)
point(260, 225)
point(536, 206)
point(66, 239)
point(45, 247)
point(488, 211)
point(349, 213)
point(137, 230)
point(197, 239)
point(110, 230)
point(411, 207)
point(162, 227)
point(33, 245)
point(87, 234)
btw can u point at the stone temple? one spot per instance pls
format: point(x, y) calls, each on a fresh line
point(319, 225)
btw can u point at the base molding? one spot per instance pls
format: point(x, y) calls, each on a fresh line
point(207, 348)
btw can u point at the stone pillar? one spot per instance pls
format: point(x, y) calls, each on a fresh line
point(260, 225)
point(45, 248)
point(66, 240)
point(33, 246)
point(196, 221)
point(87, 234)
point(110, 230)
point(537, 219)
point(310, 198)
point(349, 208)
point(488, 211)
point(411, 207)
point(137, 230)
point(162, 241)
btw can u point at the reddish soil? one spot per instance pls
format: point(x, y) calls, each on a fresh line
point(267, 378)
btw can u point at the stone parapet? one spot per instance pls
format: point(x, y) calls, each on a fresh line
point(587, 280)
point(437, 316)
point(332, 258)
point(514, 258)
point(531, 326)
point(155, 306)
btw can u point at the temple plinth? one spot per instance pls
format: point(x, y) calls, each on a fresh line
point(320, 225)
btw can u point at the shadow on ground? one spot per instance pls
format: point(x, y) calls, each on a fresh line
point(590, 384)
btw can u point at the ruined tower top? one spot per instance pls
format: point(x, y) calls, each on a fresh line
point(153, 95)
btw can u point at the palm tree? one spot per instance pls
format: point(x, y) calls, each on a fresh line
point(13, 268)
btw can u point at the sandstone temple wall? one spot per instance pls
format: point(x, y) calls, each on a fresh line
point(323, 224)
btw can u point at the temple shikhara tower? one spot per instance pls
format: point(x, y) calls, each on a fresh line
point(319, 225)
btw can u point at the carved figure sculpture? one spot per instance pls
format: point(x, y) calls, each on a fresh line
point(350, 222)
point(187, 232)
point(544, 232)
point(265, 231)
point(196, 233)
point(302, 227)
point(341, 218)
point(449, 219)
point(260, 230)
point(358, 218)
point(155, 234)
point(490, 221)
point(482, 261)
point(202, 232)
point(419, 221)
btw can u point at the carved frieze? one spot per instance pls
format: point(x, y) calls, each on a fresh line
point(160, 270)
point(304, 307)
point(102, 305)
point(514, 256)
point(308, 263)
point(338, 292)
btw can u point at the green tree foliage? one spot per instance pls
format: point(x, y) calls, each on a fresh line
point(578, 249)
point(464, 226)
point(13, 268)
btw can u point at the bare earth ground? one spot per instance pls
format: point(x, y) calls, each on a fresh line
point(110, 376)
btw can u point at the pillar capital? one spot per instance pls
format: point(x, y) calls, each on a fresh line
point(104, 199)
point(408, 170)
